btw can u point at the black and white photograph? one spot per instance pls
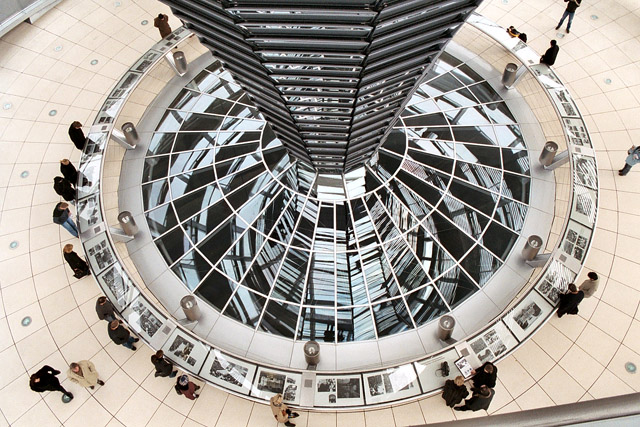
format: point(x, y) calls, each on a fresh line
point(526, 316)
point(147, 322)
point(576, 240)
point(269, 382)
point(186, 351)
point(99, 253)
point(348, 388)
point(228, 372)
point(391, 384)
point(584, 205)
point(498, 340)
point(326, 385)
point(119, 289)
point(555, 282)
point(89, 212)
point(478, 345)
point(338, 390)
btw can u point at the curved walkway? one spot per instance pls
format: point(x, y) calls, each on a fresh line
point(47, 66)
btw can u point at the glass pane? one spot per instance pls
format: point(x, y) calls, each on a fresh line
point(246, 307)
point(317, 324)
point(391, 317)
point(280, 319)
point(216, 289)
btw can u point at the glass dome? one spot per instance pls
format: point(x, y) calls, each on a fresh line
point(379, 250)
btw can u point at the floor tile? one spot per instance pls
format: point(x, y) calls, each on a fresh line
point(379, 418)
point(91, 413)
point(534, 398)
point(138, 409)
point(582, 367)
point(166, 417)
point(407, 415)
point(560, 386)
point(597, 344)
point(38, 415)
point(114, 395)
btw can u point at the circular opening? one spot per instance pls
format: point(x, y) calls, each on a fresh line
point(630, 367)
point(53, 112)
point(24, 174)
point(13, 244)
point(26, 321)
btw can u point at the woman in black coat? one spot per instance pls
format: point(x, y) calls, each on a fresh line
point(454, 391)
point(78, 265)
point(164, 368)
point(64, 188)
point(76, 135)
point(68, 171)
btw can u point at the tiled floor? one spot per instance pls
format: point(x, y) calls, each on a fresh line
point(47, 66)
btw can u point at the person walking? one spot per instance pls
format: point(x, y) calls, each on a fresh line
point(281, 411)
point(78, 265)
point(487, 375)
point(186, 388)
point(62, 216)
point(161, 22)
point(105, 310)
point(77, 136)
point(569, 302)
point(63, 188)
point(45, 380)
point(481, 399)
point(84, 373)
point(590, 286)
point(121, 335)
point(164, 368)
point(632, 159)
point(454, 391)
point(550, 55)
point(572, 5)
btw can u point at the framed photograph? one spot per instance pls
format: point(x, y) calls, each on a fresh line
point(391, 384)
point(584, 205)
point(576, 242)
point(99, 253)
point(555, 282)
point(186, 351)
point(577, 132)
point(492, 343)
point(228, 372)
point(117, 286)
point(143, 319)
point(88, 212)
point(338, 390)
point(525, 317)
point(270, 381)
point(464, 367)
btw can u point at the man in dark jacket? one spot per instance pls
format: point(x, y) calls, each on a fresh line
point(63, 188)
point(78, 265)
point(105, 310)
point(550, 55)
point(62, 216)
point(454, 391)
point(76, 135)
point(572, 5)
point(481, 399)
point(487, 375)
point(164, 368)
point(121, 335)
point(569, 302)
point(45, 380)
